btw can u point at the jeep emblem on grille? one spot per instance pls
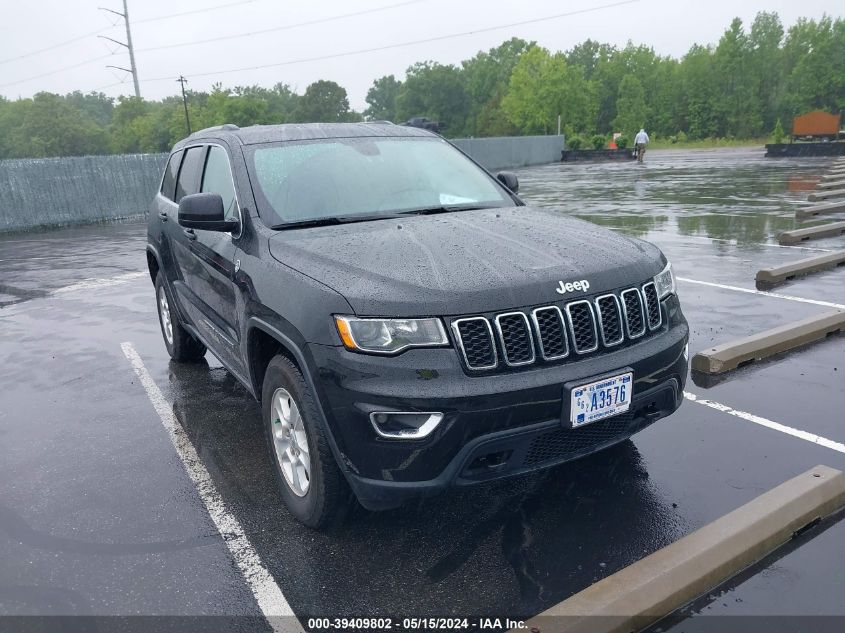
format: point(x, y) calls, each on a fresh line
point(572, 286)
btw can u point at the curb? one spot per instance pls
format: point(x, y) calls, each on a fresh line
point(657, 585)
point(832, 184)
point(814, 232)
point(819, 209)
point(778, 274)
point(825, 195)
point(756, 347)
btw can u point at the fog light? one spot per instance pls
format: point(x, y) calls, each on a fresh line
point(405, 425)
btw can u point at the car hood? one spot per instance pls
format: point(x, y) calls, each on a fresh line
point(465, 262)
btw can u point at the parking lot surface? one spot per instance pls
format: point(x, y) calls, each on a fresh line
point(98, 515)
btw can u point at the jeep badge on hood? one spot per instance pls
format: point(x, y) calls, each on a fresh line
point(563, 288)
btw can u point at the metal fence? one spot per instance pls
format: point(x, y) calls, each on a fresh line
point(86, 189)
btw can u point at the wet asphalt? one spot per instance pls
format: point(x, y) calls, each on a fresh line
point(98, 516)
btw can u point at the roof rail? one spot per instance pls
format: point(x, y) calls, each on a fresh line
point(226, 127)
point(380, 122)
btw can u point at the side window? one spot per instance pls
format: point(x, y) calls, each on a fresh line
point(168, 183)
point(189, 174)
point(217, 178)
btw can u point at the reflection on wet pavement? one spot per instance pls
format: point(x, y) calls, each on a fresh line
point(724, 194)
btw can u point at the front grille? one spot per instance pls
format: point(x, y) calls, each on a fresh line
point(632, 306)
point(515, 338)
point(562, 443)
point(582, 325)
point(476, 341)
point(652, 305)
point(552, 331)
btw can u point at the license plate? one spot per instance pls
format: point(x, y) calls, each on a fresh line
point(600, 399)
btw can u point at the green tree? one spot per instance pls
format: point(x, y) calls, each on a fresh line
point(486, 77)
point(381, 99)
point(543, 86)
point(436, 91)
point(325, 102)
point(630, 107)
point(738, 108)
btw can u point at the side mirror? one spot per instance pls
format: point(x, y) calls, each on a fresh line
point(509, 180)
point(204, 211)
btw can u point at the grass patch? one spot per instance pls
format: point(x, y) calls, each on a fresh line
point(708, 143)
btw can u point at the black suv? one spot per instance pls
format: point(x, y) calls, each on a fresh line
point(407, 323)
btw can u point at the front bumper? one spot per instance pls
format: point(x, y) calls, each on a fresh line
point(493, 425)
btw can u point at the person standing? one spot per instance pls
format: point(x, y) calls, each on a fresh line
point(640, 142)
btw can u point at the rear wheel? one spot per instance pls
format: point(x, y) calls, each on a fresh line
point(181, 346)
point(310, 482)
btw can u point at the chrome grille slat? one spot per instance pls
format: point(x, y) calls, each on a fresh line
point(610, 320)
point(652, 306)
point(632, 309)
point(515, 338)
point(582, 326)
point(475, 340)
point(551, 332)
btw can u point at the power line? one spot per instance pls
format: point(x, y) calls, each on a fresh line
point(58, 70)
point(400, 44)
point(104, 29)
point(284, 27)
point(54, 46)
point(203, 10)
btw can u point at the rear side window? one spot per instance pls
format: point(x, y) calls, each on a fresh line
point(168, 183)
point(189, 174)
point(217, 178)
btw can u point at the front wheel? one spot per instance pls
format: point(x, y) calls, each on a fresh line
point(310, 482)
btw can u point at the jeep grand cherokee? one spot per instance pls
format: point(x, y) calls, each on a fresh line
point(406, 321)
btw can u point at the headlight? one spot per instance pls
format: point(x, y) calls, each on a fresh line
point(664, 282)
point(389, 336)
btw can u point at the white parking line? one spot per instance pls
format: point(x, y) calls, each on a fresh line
point(267, 593)
point(752, 291)
point(776, 426)
point(92, 284)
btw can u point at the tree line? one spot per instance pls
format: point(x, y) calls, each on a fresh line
point(740, 88)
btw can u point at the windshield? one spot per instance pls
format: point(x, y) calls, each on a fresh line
point(369, 177)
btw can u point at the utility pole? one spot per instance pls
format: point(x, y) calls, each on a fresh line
point(183, 81)
point(128, 45)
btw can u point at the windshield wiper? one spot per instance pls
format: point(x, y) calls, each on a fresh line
point(335, 219)
point(444, 209)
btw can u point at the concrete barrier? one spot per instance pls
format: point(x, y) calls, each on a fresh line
point(819, 209)
point(817, 263)
point(729, 356)
point(831, 184)
point(812, 233)
point(826, 195)
point(652, 588)
point(86, 189)
point(508, 152)
point(76, 190)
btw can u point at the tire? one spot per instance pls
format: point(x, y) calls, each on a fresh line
point(181, 346)
point(311, 484)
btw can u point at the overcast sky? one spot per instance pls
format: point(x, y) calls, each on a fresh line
point(670, 26)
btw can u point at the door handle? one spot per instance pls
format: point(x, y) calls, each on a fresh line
point(162, 215)
point(189, 233)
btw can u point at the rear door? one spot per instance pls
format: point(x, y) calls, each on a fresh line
point(206, 258)
point(162, 212)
